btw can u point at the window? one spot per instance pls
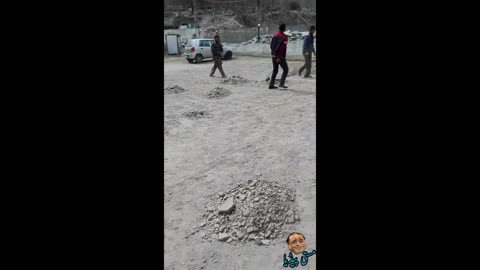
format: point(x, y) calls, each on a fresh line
point(204, 43)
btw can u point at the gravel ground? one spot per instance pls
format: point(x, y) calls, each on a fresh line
point(229, 152)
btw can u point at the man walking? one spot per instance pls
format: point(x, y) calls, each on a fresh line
point(217, 50)
point(308, 48)
point(279, 52)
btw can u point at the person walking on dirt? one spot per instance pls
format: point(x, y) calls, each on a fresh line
point(279, 53)
point(217, 50)
point(308, 49)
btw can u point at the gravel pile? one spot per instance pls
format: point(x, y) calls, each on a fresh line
point(196, 114)
point(218, 92)
point(175, 89)
point(253, 211)
point(234, 80)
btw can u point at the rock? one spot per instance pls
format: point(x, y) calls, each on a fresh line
point(256, 199)
point(266, 242)
point(221, 228)
point(246, 213)
point(203, 224)
point(268, 234)
point(227, 206)
point(223, 236)
point(221, 194)
point(258, 241)
point(252, 229)
point(252, 237)
point(241, 197)
point(229, 240)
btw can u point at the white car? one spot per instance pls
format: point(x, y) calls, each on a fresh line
point(201, 49)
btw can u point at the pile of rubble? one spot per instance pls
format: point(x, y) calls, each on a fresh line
point(175, 89)
point(218, 92)
point(255, 210)
point(234, 80)
point(292, 35)
point(221, 24)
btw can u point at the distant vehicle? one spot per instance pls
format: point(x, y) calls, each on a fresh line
point(200, 49)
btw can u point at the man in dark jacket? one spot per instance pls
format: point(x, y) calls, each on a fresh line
point(279, 52)
point(308, 49)
point(217, 50)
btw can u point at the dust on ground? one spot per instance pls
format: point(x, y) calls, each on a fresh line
point(226, 160)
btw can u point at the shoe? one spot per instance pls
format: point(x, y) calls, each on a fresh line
point(283, 86)
point(307, 76)
point(224, 76)
point(211, 75)
point(300, 73)
point(272, 87)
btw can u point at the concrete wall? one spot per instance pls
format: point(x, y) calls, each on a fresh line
point(294, 49)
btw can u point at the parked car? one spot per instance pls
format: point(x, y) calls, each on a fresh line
point(200, 49)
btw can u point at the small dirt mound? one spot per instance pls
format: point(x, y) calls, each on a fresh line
point(218, 92)
point(175, 89)
point(235, 80)
point(196, 114)
point(255, 210)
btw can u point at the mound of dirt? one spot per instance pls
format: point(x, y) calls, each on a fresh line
point(235, 80)
point(218, 92)
point(196, 114)
point(255, 210)
point(175, 89)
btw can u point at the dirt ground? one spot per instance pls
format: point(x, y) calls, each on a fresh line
point(215, 142)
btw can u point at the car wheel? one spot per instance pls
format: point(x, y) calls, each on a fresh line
point(198, 58)
point(228, 55)
point(190, 61)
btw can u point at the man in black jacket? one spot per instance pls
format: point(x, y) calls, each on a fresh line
point(279, 52)
point(217, 50)
point(308, 49)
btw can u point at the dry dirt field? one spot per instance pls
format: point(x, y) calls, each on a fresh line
point(234, 142)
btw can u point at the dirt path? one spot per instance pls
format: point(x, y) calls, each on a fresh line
point(212, 144)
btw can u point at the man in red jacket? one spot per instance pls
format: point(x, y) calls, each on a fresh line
point(279, 52)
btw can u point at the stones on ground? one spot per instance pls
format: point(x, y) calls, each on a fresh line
point(218, 92)
point(263, 212)
point(266, 242)
point(252, 229)
point(196, 114)
point(234, 80)
point(175, 89)
point(290, 217)
point(223, 236)
point(227, 206)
